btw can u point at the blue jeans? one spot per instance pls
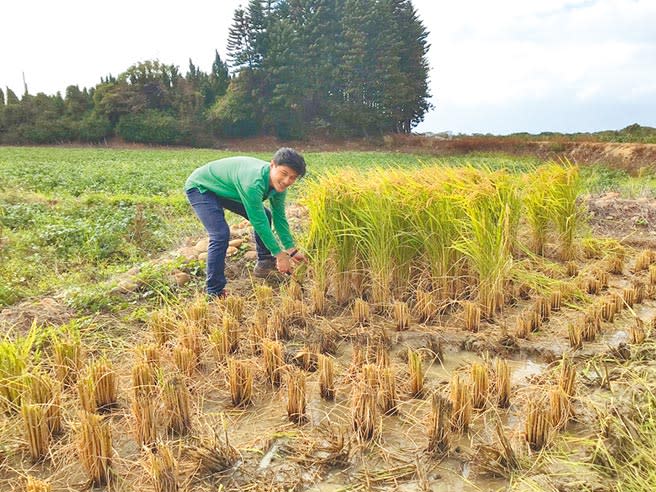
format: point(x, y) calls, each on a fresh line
point(210, 210)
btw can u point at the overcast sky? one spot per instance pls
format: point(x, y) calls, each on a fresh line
point(497, 67)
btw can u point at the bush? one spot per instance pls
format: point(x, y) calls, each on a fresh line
point(151, 126)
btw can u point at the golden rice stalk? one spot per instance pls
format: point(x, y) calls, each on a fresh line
point(177, 407)
point(163, 469)
point(556, 299)
point(306, 358)
point(425, 307)
point(608, 310)
point(502, 382)
point(162, 325)
point(35, 425)
point(534, 320)
point(629, 295)
point(231, 333)
point(197, 313)
point(67, 352)
point(572, 269)
point(639, 291)
point(148, 353)
point(263, 295)
point(144, 379)
point(277, 327)
point(616, 264)
point(387, 396)
point(43, 390)
point(369, 375)
point(94, 445)
point(522, 326)
point(401, 315)
point(364, 413)
point(643, 261)
point(619, 302)
point(567, 377)
point(538, 428)
point(294, 291)
point(383, 355)
point(212, 453)
point(591, 285)
point(144, 421)
point(86, 393)
point(318, 295)
point(296, 396)
point(272, 353)
point(437, 427)
point(652, 274)
point(637, 333)
point(480, 385)
point(105, 383)
point(472, 312)
point(240, 377)
point(461, 402)
point(327, 339)
point(361, 311)
point(257, 331)
point(542, 308)
point(36, 485)
point(234, 306)
point(559, 407)
point(575, 334)
point(416, 374)
point(191, 337)
point(185, 360)
point(326, 377)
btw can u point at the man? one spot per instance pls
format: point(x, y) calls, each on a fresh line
point(241, 184)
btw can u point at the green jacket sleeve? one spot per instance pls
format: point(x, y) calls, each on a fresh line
point(252, 201)
point(280, 223)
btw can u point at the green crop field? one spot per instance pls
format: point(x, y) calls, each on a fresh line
point(71, 217)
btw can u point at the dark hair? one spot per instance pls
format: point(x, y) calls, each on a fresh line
point(290, 158)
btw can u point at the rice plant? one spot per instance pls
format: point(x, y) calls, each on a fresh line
point(401, 315)
point(36, 485)
point(437, 426)
point(162, 325)
point(94, 446)
point(144, 379)
point(42, 389)
point(185, 360)
point(361, 311)
point(177, 406)
point(538, 427)
point(35, 426)
point(387, 396)
point(15, 355)
point(364, 413)
point(416, 374)
point(296, 396)
point(472, 314)
point(272, 353)
point(575, 336)
point(163, 469)
point(212, 452)
point(326, 377)
point(502, 382)
point(144, 420)
point(240, 379)
point(480, 385)
point(460, 396)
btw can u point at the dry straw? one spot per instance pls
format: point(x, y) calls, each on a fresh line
point(35, 426)
point(364, 413)
point(629, 295)
point(318, 296)
point(144, 379)
point(480, 385)
point(572, 269)
point(177, 406)
point(240, 378)
point(144, 421)
point(190, 336)
point(616, 264)
point(640, 289)
point(185, 360)
point(257, 330)
point(197, 313)
point(472, 313)
point(644, 260)
point(387, 396)
point(67, 351)
point(263, 295)
point(98, 389)
point(538, 428)
point(401, 314)
point(272, 353)
point(36, 485)
point(94, 445)
point(277, 326)
point(361, 311)
point(652, 274)
point(574, 332)
point(43, 390)
point(212, 453)
point(326, 377)
point(522, 326)
point(461, 404)
point(556, 299)
point(163, 469)
point(502, 382)
point(150, 354)
point(425, 307)
point(296, 396)
point(637, 332)
point(416, 374)
point(234, 306)
point(162, 325)
point(437, 426)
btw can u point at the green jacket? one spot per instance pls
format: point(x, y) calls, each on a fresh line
point(246, 180)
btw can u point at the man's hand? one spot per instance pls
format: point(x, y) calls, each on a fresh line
point(296, 255)
point(283, 262)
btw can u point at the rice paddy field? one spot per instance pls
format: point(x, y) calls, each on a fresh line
point(460, 326)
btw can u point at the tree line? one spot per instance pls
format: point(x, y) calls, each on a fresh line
point(295, 68)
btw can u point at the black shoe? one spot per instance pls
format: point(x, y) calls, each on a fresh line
point(264, 268)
